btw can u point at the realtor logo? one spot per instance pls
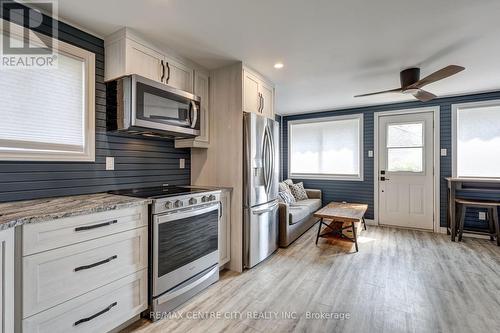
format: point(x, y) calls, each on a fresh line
point(28, 35)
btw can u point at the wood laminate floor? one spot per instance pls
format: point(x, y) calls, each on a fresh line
point(399, 281)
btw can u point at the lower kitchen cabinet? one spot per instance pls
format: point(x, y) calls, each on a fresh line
point(100, 310)
point(7, 281)
point(86, 273)
point(225, 228)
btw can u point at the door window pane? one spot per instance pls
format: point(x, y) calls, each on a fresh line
point(405, 135)
point(405, 159)
point(478, 141)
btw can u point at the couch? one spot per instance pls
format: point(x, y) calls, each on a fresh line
point(297, 218)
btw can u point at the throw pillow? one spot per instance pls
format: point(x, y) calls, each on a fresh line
point(283, 187)
point(288, 182)
point(286, 197)
point(298, 191)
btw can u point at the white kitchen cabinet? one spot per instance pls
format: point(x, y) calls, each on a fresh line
point(258, 94)
point(126, 53)
point(202, 89)
point(225, 228)
point(143, 61)
point(178, 75)
point(251, 96)
point(100, 310)
point(267, 94)
point(85, 273)
point(7, 281)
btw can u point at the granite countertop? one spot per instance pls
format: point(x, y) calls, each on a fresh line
point(32, 211)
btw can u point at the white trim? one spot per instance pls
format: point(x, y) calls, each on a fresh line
point(454, 111)
point(437, 158)
point(45, 154)
point(360, 177)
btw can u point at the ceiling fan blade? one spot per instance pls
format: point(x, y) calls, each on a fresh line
point(381, 92)
point(436, 76)
point(423, 96)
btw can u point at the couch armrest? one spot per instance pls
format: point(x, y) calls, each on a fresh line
point(283, 210)
point(313, 194)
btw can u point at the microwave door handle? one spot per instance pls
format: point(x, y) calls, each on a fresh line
point(194, 109)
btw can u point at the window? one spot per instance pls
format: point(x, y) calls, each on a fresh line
point(405, 147)
point(47, 114)
point(476, 139)
point(327, 148)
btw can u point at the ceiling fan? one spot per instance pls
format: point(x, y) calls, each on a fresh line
point(411, 83)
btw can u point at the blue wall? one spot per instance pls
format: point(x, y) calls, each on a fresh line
point(139, 161)
point(356, 191)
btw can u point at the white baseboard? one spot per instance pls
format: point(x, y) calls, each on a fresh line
point(371, 222)
point(443, 230)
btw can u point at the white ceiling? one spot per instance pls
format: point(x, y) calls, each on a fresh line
point(331, 50)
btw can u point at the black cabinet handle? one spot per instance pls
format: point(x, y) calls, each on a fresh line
point(81, 268)
point(168, 71)
point(162, 71)
point(84, 320)
point(94, 226)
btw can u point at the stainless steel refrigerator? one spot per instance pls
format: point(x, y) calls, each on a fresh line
point(260, 188)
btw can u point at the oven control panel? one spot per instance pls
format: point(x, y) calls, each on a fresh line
point(187, 201)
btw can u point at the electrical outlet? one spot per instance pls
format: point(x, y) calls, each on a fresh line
point(110, 163)
point(482, 216)
point(182, 163)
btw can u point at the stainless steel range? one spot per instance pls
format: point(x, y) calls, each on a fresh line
point(183, 243)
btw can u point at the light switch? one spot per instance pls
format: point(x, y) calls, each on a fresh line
point(444, 152)
point(482, 216)
point(182, 163)
point(110, 163)
point(370, 153)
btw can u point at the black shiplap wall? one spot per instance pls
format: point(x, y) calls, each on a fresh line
point(138, 161)
point(363, 191)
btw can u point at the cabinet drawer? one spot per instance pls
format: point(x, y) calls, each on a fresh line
point(44, 236)
point(53, 277)
point(100, 310)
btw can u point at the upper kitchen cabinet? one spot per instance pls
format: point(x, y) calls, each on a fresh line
point(202, 89)
point(126, 53)
point(258, 94)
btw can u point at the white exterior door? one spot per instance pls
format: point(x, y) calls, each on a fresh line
point(406, 167)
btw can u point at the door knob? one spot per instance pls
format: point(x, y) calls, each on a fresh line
point(383, 179)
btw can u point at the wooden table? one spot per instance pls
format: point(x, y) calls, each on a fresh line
point(342, 216)
point(487, 186)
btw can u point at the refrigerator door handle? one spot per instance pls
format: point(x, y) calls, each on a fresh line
point(265, 210)
point(264, 160)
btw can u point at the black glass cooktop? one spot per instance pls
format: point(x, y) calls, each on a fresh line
point(158, 191)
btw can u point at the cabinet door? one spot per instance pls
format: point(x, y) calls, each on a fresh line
point(225, 229)
point(179, 75)
point(7, 281)
point(267, 93)
point(201, 88)
point(251, 97)
point(143, 61)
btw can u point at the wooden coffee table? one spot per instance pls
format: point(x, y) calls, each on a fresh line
point(342, 216)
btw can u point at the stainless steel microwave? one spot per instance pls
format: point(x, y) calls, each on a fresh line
point(137, 105)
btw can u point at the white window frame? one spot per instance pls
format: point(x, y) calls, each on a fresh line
point(51, 152)
point(454, 125)
point(359, 177)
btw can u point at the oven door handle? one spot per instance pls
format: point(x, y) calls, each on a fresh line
point(159, 219)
